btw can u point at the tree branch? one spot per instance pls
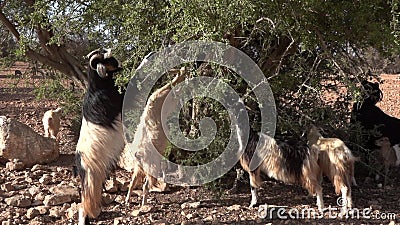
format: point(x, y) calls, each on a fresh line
point(11, 27)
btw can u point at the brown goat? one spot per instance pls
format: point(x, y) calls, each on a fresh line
point(387, 155)
point(336, 161)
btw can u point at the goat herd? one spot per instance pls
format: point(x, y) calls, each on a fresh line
point(101, 142)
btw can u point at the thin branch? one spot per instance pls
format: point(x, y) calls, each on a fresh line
point(278, 68)
point(11, 27)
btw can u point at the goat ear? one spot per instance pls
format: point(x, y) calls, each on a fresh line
point(107, 53)
point(101, 70)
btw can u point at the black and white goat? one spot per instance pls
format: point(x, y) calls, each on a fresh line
point(371, 116)
point(283, 162)
point(101, 139)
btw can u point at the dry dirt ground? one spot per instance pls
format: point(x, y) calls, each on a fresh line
point(180, 205)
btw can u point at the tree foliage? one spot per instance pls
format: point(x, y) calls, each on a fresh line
point(305, 48)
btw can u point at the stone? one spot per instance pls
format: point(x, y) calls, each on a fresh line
point(73, 192)
point(45, 179)
point(19, 141)
point(32, 213)
point(40, 196)
point(38, 167)
point(72, 211)
point(55, 212)
point(15, 164)
point(123, 184)
point(34, 190)
point(143, 210)
point(37, 203)
point(120, 199)
point(191, 216)
point(107, 199)
point(6, 222)
point(56, 199)
point(190, 205)
point(18, 201)
point(7, 187)
point(234, 207)
point(111, 186)
point(42, 209)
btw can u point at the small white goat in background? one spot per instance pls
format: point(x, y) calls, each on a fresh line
point(336, 161)
point(388, 155)
point(51, 122)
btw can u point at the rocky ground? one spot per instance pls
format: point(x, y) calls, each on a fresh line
point(49, 194)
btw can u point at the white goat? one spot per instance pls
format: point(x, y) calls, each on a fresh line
point(51, 122)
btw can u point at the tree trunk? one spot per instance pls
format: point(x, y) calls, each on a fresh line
point(53, 55)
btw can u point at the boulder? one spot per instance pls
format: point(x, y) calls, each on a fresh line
point(19, 142)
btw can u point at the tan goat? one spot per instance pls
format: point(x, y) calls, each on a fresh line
point(150, 133)
point(387, 154)
point(51, 122)
point(336, 161)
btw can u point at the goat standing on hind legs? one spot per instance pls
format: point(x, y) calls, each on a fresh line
point(101, 139)
point(336, 161)
point(149, 133)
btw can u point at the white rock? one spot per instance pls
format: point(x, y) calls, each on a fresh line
point(15, 164)
point(45, 179)
point(73, 192)
point(34, 190)
point(191, 205)
point(111, 186)
point(18, 201)
point(38, 167)
point(55, 212)
point(234, 207)
point(40, 196)
point(57, 199)
point(42, 209)
point(19, 141)
point(6, 222)
point(32, 213)
point(72, 211)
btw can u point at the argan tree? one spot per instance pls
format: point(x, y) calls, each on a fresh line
point(304, 48)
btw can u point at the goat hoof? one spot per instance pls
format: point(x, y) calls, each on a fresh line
point(252, 205)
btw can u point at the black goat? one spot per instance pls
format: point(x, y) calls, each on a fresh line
point(371, 116)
